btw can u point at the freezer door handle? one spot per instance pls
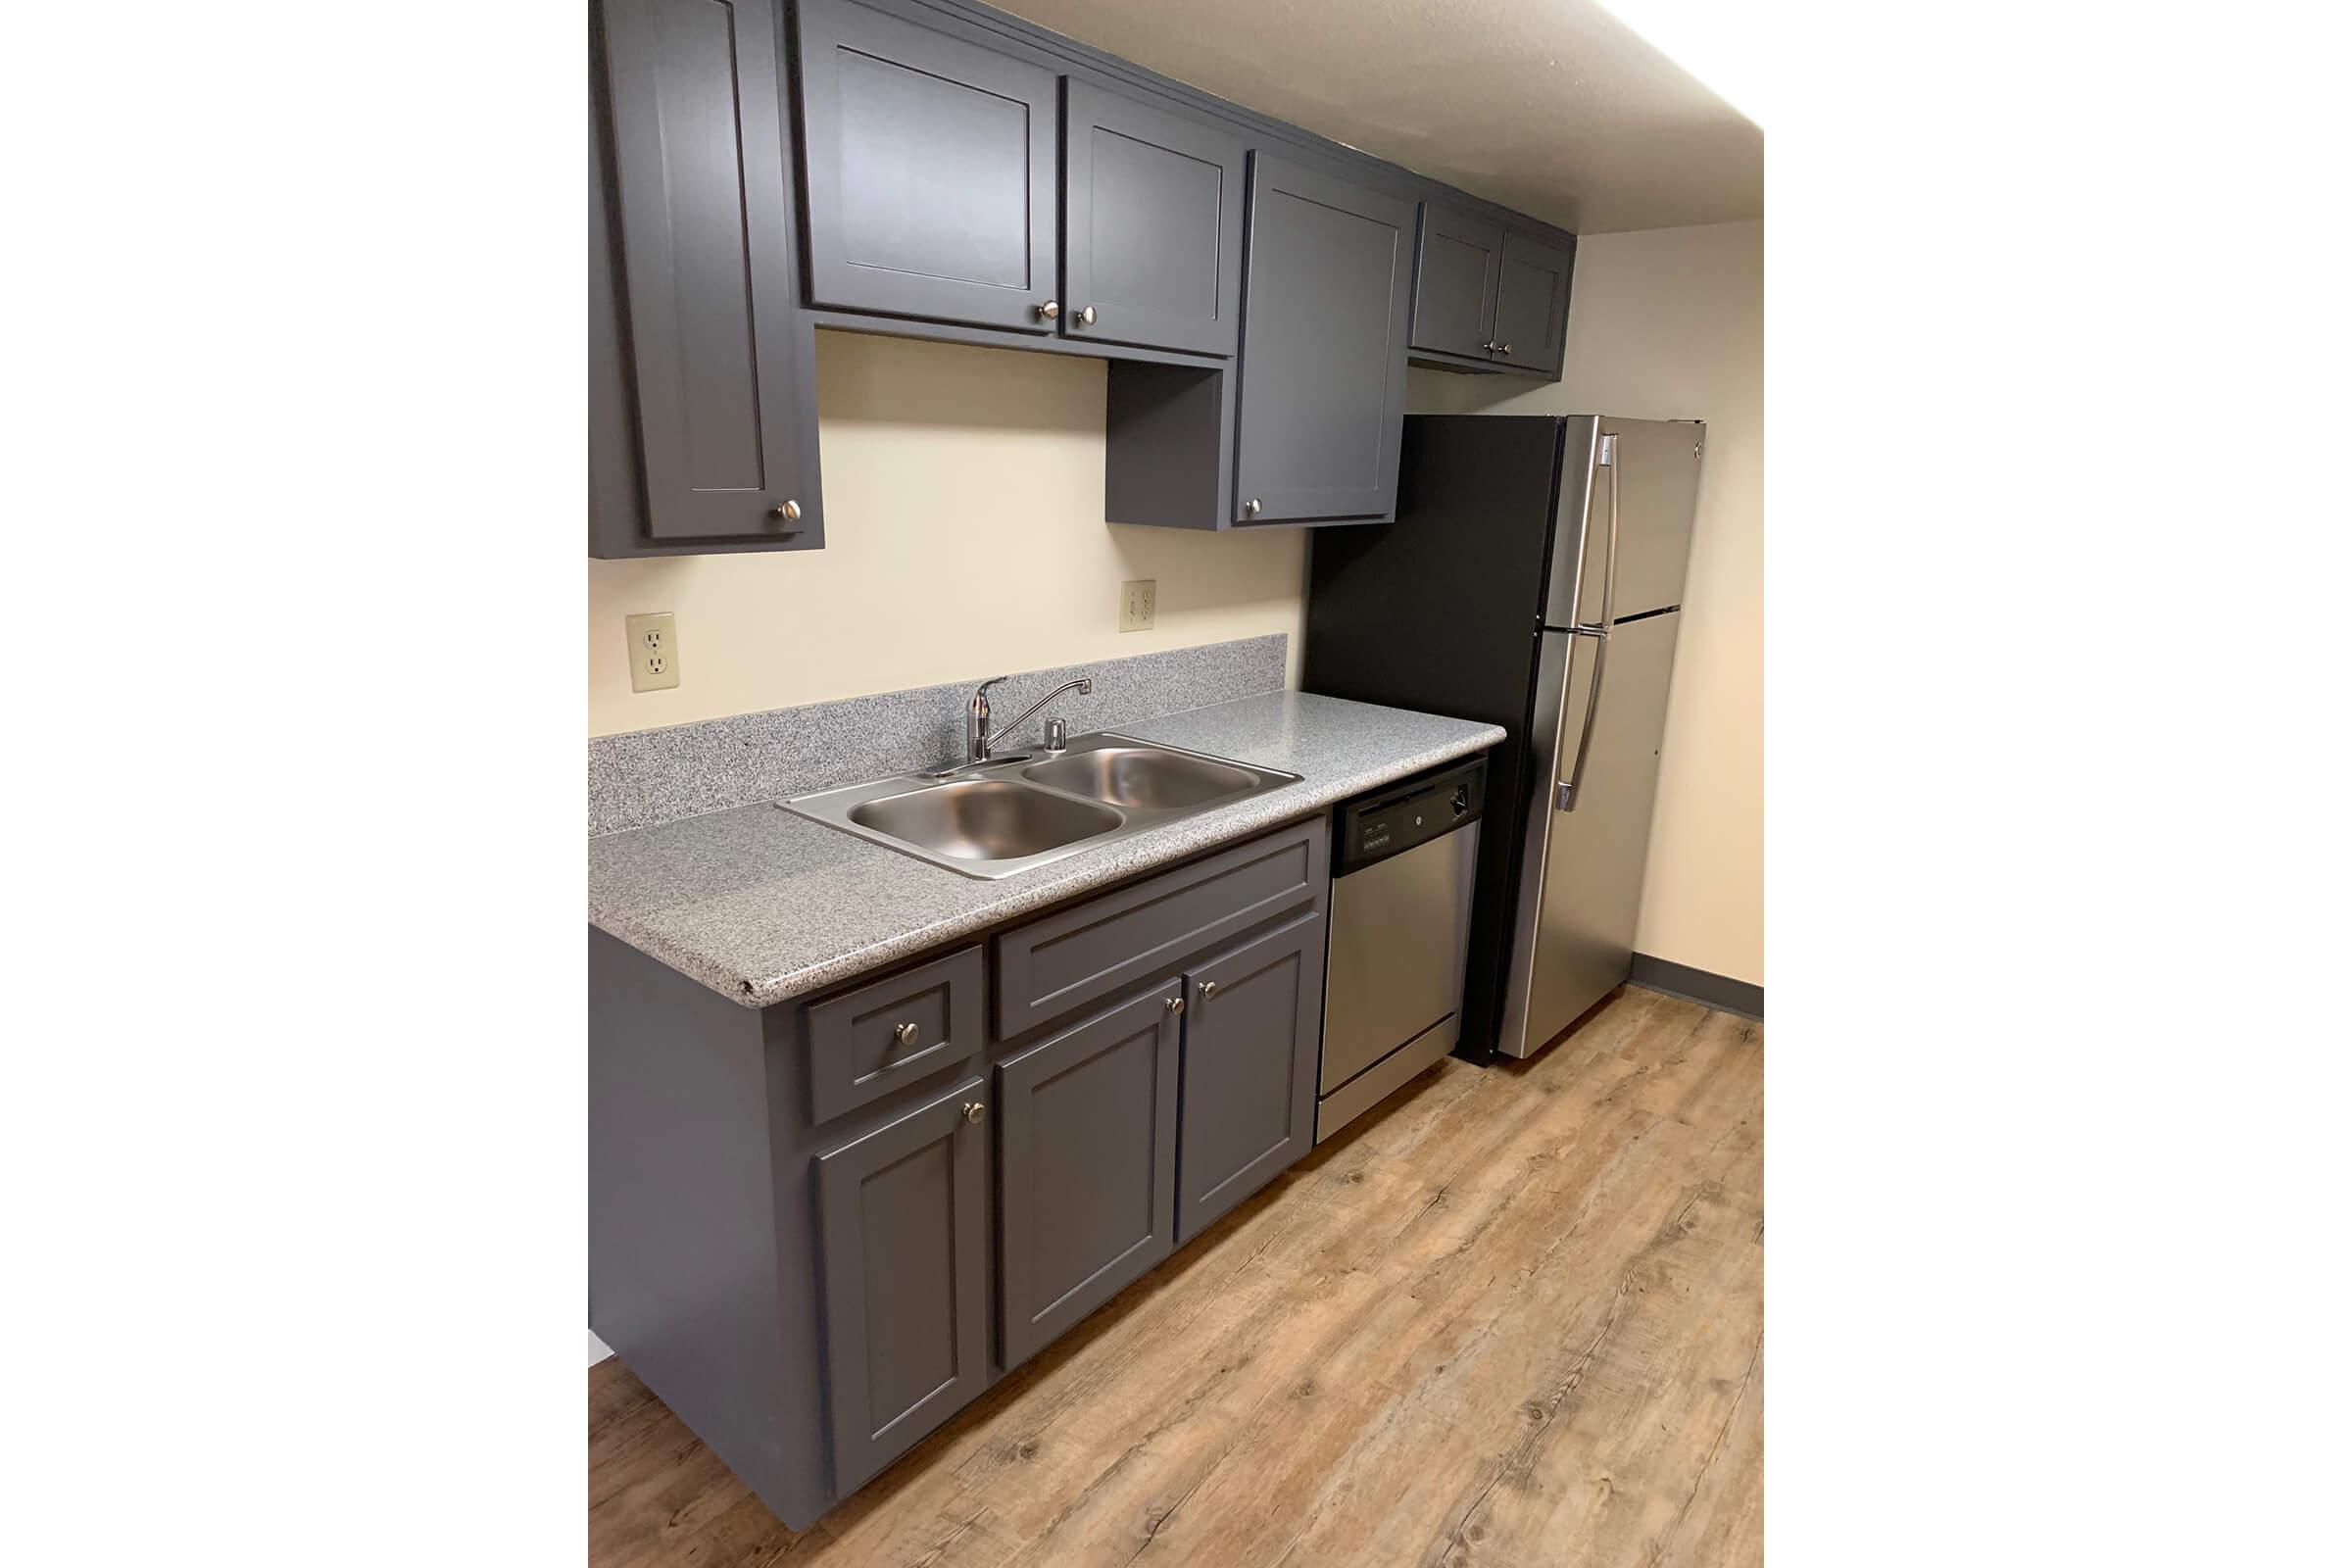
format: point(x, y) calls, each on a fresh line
point(1565, 791)
point(1608, 565)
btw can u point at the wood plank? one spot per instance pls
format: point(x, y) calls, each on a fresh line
point(1514, 1318)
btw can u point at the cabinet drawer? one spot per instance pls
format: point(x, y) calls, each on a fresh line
point(1049, 966)
point(855, 1053)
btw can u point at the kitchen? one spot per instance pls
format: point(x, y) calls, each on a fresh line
point(1174, 833)
point(1036, 1159)
point(1086, 748)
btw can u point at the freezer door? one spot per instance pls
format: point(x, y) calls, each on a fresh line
point(1656, 460)
point(1580, 887)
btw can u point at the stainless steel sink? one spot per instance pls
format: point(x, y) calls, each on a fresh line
point(1142, 776)
point(984, 820)
point(996, 818)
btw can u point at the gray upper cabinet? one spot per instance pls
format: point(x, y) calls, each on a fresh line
point(930, 171)
point(1152, 248)
point(703, 412)
point(1086, 1165)
point(1455, 276)
point(1323, 347)
point(959, 175)
point(1253, 1032)
point(903, 1236)
point(1531, 306)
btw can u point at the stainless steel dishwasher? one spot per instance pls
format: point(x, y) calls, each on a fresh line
point(1402, 863)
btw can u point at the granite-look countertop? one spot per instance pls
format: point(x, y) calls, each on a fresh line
point(761, 905)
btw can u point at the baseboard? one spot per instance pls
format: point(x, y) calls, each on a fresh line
point(598, 1350)
point(1698, 985)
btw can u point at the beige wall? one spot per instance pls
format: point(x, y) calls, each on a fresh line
point(963, 494)
point(1669, 323)
point(964, 538)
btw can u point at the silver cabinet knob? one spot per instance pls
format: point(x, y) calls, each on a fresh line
point(1492, 348)
point(1086, 317)
point(790, 511)
point(1503, 349)
point(1209, 988)
point(1050, 310)
point(974, 1111)
point(1175, 1004)
point(1253, 507)
point(904, 1033)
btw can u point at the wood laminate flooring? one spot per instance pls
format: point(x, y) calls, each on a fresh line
point(1512, 1317)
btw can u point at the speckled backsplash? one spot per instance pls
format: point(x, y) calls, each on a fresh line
point(648, 776)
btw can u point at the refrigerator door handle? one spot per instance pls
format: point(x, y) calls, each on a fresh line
point(1565, 791)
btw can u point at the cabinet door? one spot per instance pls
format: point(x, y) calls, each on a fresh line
point(1252, 1029)
point(930, 171)
point(1454, 281)
point(1322, 396)
point(1086, 1166)
point(904, 1234)
point(1151, 246)
point(1531, 309)
point(723, 408)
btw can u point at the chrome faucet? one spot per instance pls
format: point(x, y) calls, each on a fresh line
point(980, 738)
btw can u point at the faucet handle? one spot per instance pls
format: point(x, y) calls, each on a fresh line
point(1057, 734)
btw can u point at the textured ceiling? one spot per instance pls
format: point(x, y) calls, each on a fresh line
point(1553, 107)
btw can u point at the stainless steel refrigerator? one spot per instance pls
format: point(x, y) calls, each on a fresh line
point(1533, 578)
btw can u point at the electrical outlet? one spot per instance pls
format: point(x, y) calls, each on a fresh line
point(1137, 601)
point(653, 652)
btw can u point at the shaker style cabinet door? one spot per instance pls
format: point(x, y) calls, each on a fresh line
point(903, 1236)
point(1531, 309)
point(1454, 283)
point(1087, 1166)
point(713, 387)
point(1253, 1032)
point(930, 165)
point(1151, 251)
point(1322, 372)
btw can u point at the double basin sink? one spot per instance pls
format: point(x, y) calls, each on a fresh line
point(998, 818)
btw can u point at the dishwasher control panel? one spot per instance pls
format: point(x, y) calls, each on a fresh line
point(1409, 814)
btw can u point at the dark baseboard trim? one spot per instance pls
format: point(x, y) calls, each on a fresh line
point(1698, 985)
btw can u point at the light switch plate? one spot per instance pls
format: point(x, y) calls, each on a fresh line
point(1137, 602)
point(653, 652)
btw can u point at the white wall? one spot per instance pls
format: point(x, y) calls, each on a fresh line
point(964, 538)
point(1669, 323)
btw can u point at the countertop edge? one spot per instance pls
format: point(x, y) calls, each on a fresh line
point(1186, 840)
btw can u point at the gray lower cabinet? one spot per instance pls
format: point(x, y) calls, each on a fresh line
point(929, 169)
point(820, 1229)
point(1531, 305)
point(1454, 275)
point(1323, 347)
point(903, 1236)
point(1085, 1165)
point(1253, 1032)
point(1152, 247)
point(702, 407)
